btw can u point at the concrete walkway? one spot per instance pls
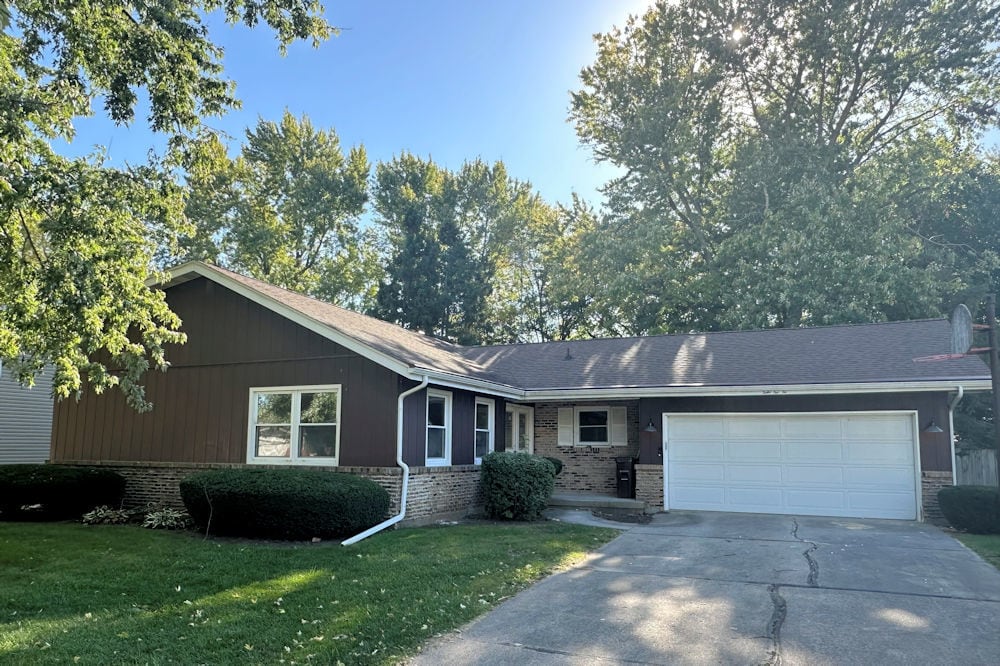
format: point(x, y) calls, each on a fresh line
point(715, 588)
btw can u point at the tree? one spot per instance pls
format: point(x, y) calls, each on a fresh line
point(761, 144)
point(284, 211)
point(76, 237)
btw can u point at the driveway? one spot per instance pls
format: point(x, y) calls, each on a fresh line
point(722, 588)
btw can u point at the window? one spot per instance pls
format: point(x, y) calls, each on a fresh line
point(484, 428)
point(296, 424)
point(592, 426)
point(438, 427)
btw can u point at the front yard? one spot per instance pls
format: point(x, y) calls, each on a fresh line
point(986, 545)
point(98, 595)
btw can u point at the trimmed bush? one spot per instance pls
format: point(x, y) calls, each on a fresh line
point(556, 462)
point(974, 509)
point(56, 492)
point(292, 504)
point(516, 486)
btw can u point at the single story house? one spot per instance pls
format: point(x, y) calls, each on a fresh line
point(836, 421)
point(25, 419)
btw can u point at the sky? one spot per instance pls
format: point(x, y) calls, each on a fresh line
point(453, 80)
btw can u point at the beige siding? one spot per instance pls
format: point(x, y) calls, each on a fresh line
point(25, 419)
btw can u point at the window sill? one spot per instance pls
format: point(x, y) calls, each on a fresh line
point(298, 462)
point(437, 462)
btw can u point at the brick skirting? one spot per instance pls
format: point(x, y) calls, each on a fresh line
point(649, 486)
point(931, 483)
point(434, 492)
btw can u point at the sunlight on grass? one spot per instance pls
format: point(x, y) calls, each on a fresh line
point(986, 545)
point(125, 595)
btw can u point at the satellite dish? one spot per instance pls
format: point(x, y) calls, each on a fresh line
point(961, 330)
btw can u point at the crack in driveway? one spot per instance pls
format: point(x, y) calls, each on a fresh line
point(812, 580)
point(778, 615)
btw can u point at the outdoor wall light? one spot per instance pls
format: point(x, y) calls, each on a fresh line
point(651, 427)
point(933, 427)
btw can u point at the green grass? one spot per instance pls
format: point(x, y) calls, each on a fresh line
point(113, 595)
point(987, 545)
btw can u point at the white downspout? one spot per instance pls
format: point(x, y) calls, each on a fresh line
point(951, 432)
point(399, 461)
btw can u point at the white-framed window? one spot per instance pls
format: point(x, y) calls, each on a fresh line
point(295, 425)
point(598, 425)
point(485, 427)
point(438, 451)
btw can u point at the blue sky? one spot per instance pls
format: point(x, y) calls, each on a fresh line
point(451, 79)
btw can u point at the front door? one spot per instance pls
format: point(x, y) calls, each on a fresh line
point(519, 435)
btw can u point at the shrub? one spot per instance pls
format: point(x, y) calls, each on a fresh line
point(105, 515)
point(516, 486)
point(556, 462)
point(282, 503)
point(166, 519)
point(56, 492)
point(974, 509)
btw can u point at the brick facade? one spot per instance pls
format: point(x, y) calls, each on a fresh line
point(586, 469)
point(931, 483)
point(649, 486)
point(434, 492)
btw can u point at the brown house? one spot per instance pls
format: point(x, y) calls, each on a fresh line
point(838, 421)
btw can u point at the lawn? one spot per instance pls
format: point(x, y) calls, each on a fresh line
point(987, 545)
point(113, 594)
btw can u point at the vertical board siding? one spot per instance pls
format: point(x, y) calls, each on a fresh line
point(201, 403)
point(935, 448)
point(25, 419)
point(463, 424)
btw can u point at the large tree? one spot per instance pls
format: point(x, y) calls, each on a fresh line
point(768, 157)
point(76, 237)
point(285, 210)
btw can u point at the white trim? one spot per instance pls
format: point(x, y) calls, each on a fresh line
point(914, 414)
point(529, 424)
point(576, 425)
point(763, 389)
point(491, 405)
point(451, 380)
point(447, 427)
point(293, 458)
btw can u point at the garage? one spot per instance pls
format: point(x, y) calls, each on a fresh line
point(859, 464)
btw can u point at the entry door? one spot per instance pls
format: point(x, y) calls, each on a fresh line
point(861, 465)
point(519, 435)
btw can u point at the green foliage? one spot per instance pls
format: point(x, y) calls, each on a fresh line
point(558, 464)
point(282, 503)
point(105, 515)
point(284, 211)
point(77, 238)
point(973, 509)
point(166, 519)
point(789, 163)
point(54, 492)
point(516, 486)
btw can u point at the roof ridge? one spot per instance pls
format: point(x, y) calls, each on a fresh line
point(685, 335)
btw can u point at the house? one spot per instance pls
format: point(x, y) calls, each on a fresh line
point(25, 419)
point(839, 420)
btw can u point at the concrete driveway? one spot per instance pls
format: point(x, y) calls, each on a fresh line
point(717, 588)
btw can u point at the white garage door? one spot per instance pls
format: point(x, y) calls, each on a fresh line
point(855, 465)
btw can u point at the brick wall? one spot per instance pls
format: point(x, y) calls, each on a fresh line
point(586, 469)
point(649, 486)
point(931, 483)
point(435, 492)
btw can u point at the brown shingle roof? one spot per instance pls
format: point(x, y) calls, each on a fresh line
point(864, 353)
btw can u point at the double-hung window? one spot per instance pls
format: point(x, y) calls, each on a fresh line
point(485, 427)
point(438, 428)
point(586, 425)
point(593, 426)
point(295, 424)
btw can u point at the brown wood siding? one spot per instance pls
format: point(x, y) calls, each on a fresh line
point(463, 424)
point(935, 448)
point(201, 403)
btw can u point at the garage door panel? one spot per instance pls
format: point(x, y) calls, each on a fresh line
point(744, 449)
point(857, 465)
point(820, 449)
point(806, 475)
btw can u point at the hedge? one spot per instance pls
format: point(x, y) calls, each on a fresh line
point(291, 504)
point(556, 462)
point(56, 492)
point(516, 486)
point(974, 509)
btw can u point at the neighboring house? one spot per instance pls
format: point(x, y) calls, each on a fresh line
point(25, 419)
point(838, 420)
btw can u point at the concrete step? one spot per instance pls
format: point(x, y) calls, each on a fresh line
point(584, 501)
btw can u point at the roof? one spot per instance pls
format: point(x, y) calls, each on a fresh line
point(822, 357)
